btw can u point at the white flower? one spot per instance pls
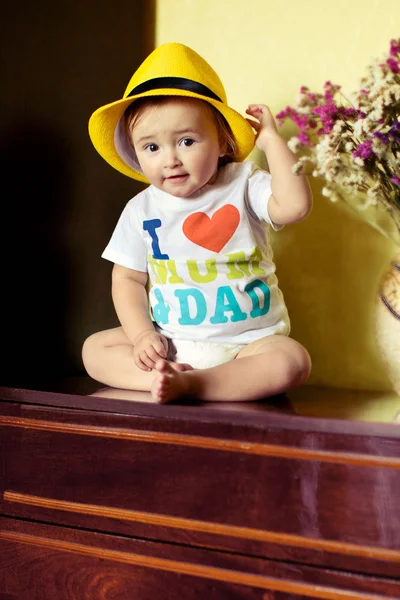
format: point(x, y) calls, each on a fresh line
point(338, 127)
point(297, 169)
point(379, 148)
point(358, 128)
point(373, 192)
point(294, 144)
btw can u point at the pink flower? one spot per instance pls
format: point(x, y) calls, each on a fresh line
point(300, 120)
point(304, 139)
point(330, 90)
point(349, 113)
point(394, 47)
point(393, 65)
point(328, 113)
point(285, 114)
point(364, 150)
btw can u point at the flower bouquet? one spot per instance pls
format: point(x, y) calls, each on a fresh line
point(353, 144)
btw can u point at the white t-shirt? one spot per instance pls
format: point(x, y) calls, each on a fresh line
point(208, 258)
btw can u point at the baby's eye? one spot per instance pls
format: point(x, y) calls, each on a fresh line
point(151, 148)
point(186, 142)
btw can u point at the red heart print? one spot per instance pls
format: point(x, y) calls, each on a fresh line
point(215, 232)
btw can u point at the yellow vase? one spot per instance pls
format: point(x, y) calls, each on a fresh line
point(387, 322)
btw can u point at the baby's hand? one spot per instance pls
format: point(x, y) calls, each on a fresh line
point(265, 124)
point(149, 347)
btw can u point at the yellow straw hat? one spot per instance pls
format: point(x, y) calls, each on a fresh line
point(170, 70)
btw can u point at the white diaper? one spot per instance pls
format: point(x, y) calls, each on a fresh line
point(202, 355)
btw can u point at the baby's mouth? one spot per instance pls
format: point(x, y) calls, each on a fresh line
point(180, 177)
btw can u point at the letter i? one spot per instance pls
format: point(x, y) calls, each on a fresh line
point(151, 227)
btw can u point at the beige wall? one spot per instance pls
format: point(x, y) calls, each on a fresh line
point(329, 265)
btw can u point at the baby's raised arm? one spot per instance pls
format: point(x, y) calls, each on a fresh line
point(291, 199)
point(132, 307)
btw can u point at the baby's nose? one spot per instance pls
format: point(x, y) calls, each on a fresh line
point(172, 158)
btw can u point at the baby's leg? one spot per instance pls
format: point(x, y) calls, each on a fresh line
point(266, 367)
point(108, 358)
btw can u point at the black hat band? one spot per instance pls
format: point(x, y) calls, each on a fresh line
point(175, 83)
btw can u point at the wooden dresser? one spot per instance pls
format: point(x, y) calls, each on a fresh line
point(106, 499)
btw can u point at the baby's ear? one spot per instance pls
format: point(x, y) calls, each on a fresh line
point(223, 146)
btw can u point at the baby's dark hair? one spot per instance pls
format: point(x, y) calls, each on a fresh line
point(134, 111)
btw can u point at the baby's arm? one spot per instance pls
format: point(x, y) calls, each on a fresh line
point(291, 198)
point(132, 308)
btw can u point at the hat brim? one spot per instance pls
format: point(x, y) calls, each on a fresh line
point(107, 136)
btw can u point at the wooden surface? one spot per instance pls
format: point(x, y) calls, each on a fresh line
point(357, 405)
point(72, 565)
point(259, 502)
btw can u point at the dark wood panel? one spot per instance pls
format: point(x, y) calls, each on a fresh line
point(313, 498)
point(43, 562)
point(247, 421)
point(163, 476)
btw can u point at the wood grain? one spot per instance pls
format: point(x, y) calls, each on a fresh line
point(205, 443)
point(289, 500)
point(195, 570)
point(203, 526)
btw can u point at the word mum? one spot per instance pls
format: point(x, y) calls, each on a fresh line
point(193, 302)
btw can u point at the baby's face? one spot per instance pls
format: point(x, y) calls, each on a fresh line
point(177, 146)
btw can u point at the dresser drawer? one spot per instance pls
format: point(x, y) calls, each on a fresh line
point(270, 493)
point(42, 562)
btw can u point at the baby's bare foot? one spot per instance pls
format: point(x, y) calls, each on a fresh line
point(170, 382)
point(181, 366)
